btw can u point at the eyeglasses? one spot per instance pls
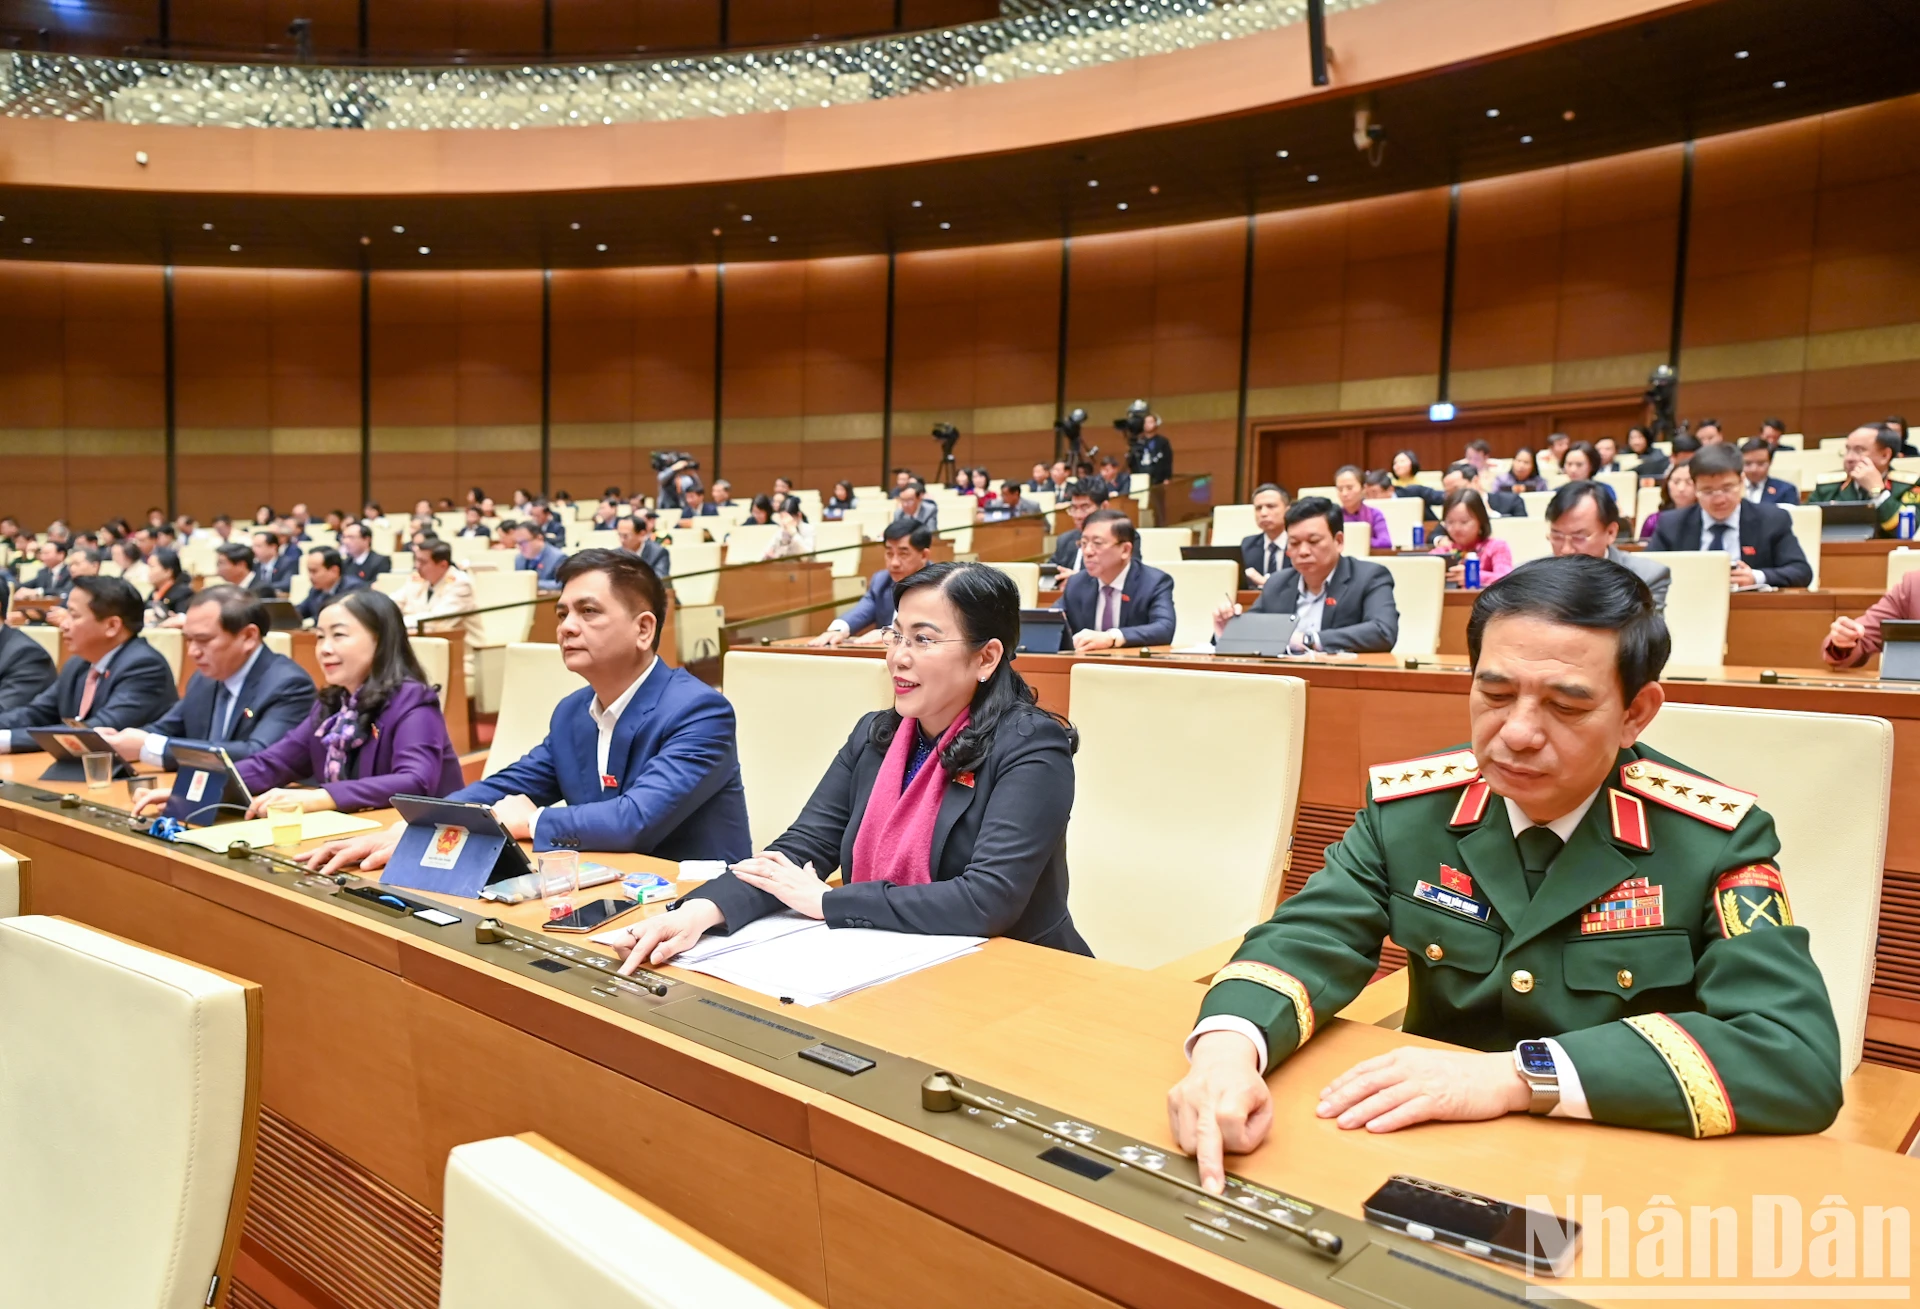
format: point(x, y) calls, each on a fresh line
point(1573, 541)
point(919, 642)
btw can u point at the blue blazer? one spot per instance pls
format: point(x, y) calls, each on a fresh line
point(677, 794)
point(875, 608)
point(1778, 491)
point(138, 688)
point(274, 700)
point(310, 607)
point(547, 566)
point(26, 669)
point(1146, 604)
point(280, 572)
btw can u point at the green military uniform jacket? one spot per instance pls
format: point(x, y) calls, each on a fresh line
point(1846, 490)
point(1660, 951)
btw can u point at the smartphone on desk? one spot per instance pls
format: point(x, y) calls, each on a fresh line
point(1542, 1244)
point(591, 917)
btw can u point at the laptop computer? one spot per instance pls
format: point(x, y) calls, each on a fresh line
point(1900, 655)
point(1848, 520)
point(207, 788)
point(282, 616)
point(1256, 634)
point(67, 745)
point(1042, 631)
point(1230, 553)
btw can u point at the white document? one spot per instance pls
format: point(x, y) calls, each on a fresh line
point(757, 932)
point(810, 963)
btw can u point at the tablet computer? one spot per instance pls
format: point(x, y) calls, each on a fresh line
point(207, 787)
point(1042, 631)
point(1848, 520)
point(67, 744)
point(1900, 653)
point(452, 846)
point(1256, 634)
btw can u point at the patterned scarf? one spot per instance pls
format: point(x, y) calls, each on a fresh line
point(339, 732)
point(895, 840)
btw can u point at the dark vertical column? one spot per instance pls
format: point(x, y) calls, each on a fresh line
point(546, 381)
point(726, 20)
point(1680, 258)
point(1060, 347)
point(1246, 362)
point(886, 382)
point(170, 389)
point(899, 14)
point(719, 345)
point(366, 385)
point(364, 23)
point(166, 26)
point(546, 27)
point(1446, 292)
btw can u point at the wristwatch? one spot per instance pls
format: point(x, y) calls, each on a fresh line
point(1533, 1060)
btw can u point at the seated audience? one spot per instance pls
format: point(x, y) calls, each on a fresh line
point(1550, 459)
point(782, 488)
point(978, 484)
point(1082, 498)
point(1675, 493)
point(1868, 476)
point(1263, 553)
point(1521, 475)
point(1009, 504)
point(841, 500)
point(168, 588)
point(908, 546)
point(1708, 432)
point(795, 537)
point(636, 534)
point(693, 501)
point(902, 478)
point(1758, 539)
point(1477, 453)
point(1406, 468)
point(1756, 463)
point(1354, 509)
point(913, 503)
point(1907, 449)
point(327, 580)
point(1057, 478)
point(1117, 481)
point(1338, 603)
point(1500, 504)
point(375, 732)
point(263, 515)
point(947, 813)
point(760, 510)
point(1606, 454)
point(1581, 463)
point(1583, 520)
point(1771, 430)
point(473, 526)
point(534, 553)
point(273, 564)
point(643, 756)
point(55, 578)
point(26, 670)
point(1115, 600)
point(547, 523)
point(356, 549)
point(242, 696)
point(1466, 529)
point(1852, 641)
point(233, 564)
point(1039, 481)
point(439, 592)
point(1653, 464)
point(113, 679)
point(722, 492)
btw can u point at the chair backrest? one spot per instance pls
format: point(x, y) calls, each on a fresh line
point(842, 540)
point(1835, 443)
point(131, 1086)
point(435, 661)
point(1329, 492)
point(1697, 605)
point(1624, 486)
point(1403, 513)
point(1537, 501)
point(791, 716)
point(1900, 562)
point(9, 883)
point(390, 583)
point(48, 637)
point(696, 575)
point(1792, 441)
point(1831, 816)
point(1356, 540)
point(1433, 477)
point(1232, 524)
point(528, 1224)
point(1213, 849)
point(1160, 545)
point(1027, 578)
point(1419, 592)
point(1199, 586)
point(171, 642)
point(534, 682)
point(281, 643)
point(748, 542)
point(382, 538)
point(1648, 503)
point(1806, 530)
point(299, 586)
point(1526, 538)
point(505, 626)
point(584, 540)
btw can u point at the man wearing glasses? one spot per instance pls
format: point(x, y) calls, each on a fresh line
point(1583, 518)
point(1757, 539)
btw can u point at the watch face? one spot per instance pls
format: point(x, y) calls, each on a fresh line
point(1537, 1057)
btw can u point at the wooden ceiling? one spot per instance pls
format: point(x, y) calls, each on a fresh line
point(1602, 93)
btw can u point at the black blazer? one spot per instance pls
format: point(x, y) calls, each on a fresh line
point(376, 564)
point(1253, 554)
point(1507, 503)
point(1360, 614)
point(280, 572)
point(138, 688)
point(174, 600)
point(1767, 543)
point(309, 608)
point(1146, 604)
point(26, 669)
point(999, 847)
point(274, 700)
point(1066, 550)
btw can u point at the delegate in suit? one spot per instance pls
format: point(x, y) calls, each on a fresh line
point(1583, 518)
point(242, 696)
point(329, 579)
point(114, 679)
point(358, 554)
point(1758, 539)
point(1338, 603)
point(643, 756)
point(26, 669)
point(1606, 931)
point(1115, 600)
point(947, 813)
point(908, 546)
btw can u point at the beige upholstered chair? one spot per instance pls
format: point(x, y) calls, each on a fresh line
point(390, 583)
point(1171, 859)
point(1232, 524)
point(1806, 530)
point(48, 637)
point(1624, 486)
point(579, 539)
point(12, 893)
point(129, 1090)
point(838, 544)
point(535, 681)
point(1830, 811)
point(281, 643)
point(529, 1225)
point(747, 543)
point(1326, 491)
point(1526, 538)
point(1027, 578)
point(1697, 605)
point(696, 575)
point(1900, 562)
point(1537, 501)
point(300, 587)
point(171, 642)
point(435, 661)
point(1160, 545)
point(1419, 592)
point(1403, 513)
point(503, 627)
point(1199, 585)
point(1356, 540)
point(792, 715)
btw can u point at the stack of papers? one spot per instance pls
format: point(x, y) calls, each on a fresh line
point(804, 960)
point(258, 832)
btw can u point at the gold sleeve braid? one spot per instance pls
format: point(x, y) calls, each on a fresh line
point(1708, 1105)
point(1274, 979)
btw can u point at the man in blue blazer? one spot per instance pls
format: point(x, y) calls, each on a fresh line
point(1759, 487)
point(1115, 600)
point(26, 669)
point(274, 562)
point(534, 553)
point(644, 755)
point(242, 696)
point(1757, 539)
point(328, 580)
point(114, 678)
point(909, 545)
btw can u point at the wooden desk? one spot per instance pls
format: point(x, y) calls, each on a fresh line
point(776, 586)
point(1011, 541)
point(1858, 564)
point(383, 1049)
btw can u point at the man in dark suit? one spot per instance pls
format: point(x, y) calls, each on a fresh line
point(1264, 553)
point(1506, 504)
point(1117, 481)
point(1115, 599)
point(1039, 481)
point(273, 562)
point(356, 549)
point(233, 564)
point(1758, 539)
point(1082, 498)
point(1338, 603)
point(548, 523)
point(636, 538)
point(908, 546)
point(534, 553)
point(914, 504)
point(114, 679)
point(26, 669)
point(1756, 463)
point(242, 696)
point(329, 580)
point(54, 577)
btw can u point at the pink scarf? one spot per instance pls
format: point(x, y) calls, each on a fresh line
point(895, 841)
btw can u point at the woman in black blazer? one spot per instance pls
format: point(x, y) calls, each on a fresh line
point(973, 840)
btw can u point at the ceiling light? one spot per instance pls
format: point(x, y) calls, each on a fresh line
point(398, 229)
point(945, 226)
point(425, 251)
point(1526, 140)
point(773, 238)
point(1779, 86)
point(1566, 116)
point(26, 240)
point(234, 248)
point(1121, 205)
point(916, 204)
point(206, 227)
point(1739, 54)
point(1313, 177)
point(1493, 113)
point(1280, 154)
point(1153, 190)
point(576, 227)
point(366, 240)
point(746, 218)
point(716, 231)
point(1093, 183)
point(601, 248)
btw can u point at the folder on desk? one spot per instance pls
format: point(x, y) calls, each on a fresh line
point(804, 960)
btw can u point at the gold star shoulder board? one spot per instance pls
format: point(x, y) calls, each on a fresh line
point(1749, 898)
point(1438, 772)
point(1702, 797)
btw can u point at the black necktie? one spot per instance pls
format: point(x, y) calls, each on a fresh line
point(1718, 535)
point(222, 710)
point(1538, 846)
point(1273, 554)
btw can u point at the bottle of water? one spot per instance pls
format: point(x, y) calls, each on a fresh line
point(1470, 571)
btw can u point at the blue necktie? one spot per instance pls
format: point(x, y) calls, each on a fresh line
point(222, 712)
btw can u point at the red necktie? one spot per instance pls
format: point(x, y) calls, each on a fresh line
point(86, 697)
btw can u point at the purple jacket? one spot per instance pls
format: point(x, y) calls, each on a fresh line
point(409, 753)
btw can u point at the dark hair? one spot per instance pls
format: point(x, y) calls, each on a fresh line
point(633, 581)
point(235, 553)
point(394, 663)
point(1310, 507)
point(1275, 487)
point(791, 505)
point(1462, 468)
point(1707, 422)
point(355, 525)
point(114, 597)
point(1358, 476)
point(1719, 457)
point(1586, 448)
point(1092, 488)
point(1379, 477)
point(1780, 424)
point(1644, 434)
point(1886, 437)
point(1413, 461)
point(169, 560)
point(762, 504)
point(1532, 462)
point(1757, 445)
point(1123, 530)
point(437, 550)
point(1581, 591)
point(988, 604)
point(1480, 447)
point(61, 546)
point(239, 609)
point(917, 533)
point(848, 486)
point(328, 556)
point(1685, 443)
point(1469, 499)
point(1568, 498)
point(268, 511)
point(270, 534)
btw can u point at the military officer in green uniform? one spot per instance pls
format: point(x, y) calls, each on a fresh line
point(1608, 926)
point(1868, 475)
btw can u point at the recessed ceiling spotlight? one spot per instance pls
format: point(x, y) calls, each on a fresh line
point(398, 230)
point(602, 248)
point(366, 240)
point(773, 238)
point(1121, 205)
point(26, 240)
point(1779, 86)
point(1092, 182)
point(1493, 113)
point(1566, 116)
point(1153, 190)
point(234, 248)
point(206, 227)
point(1281, 154)
point(1526, 140)
point(916, 204)
point(1313, 177)
point(1740, 54)
point(716, 231)
point(746, 218)
point(945, 226)
point(425, 250)
point(576, 227)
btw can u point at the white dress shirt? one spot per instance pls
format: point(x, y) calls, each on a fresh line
point(1310, 608)
point(1573, 1098)
point(153, 750)
point(605, 719)
point(1273, 553)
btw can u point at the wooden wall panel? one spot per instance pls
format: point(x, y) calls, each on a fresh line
point(1618, 251)
point(264, 22)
